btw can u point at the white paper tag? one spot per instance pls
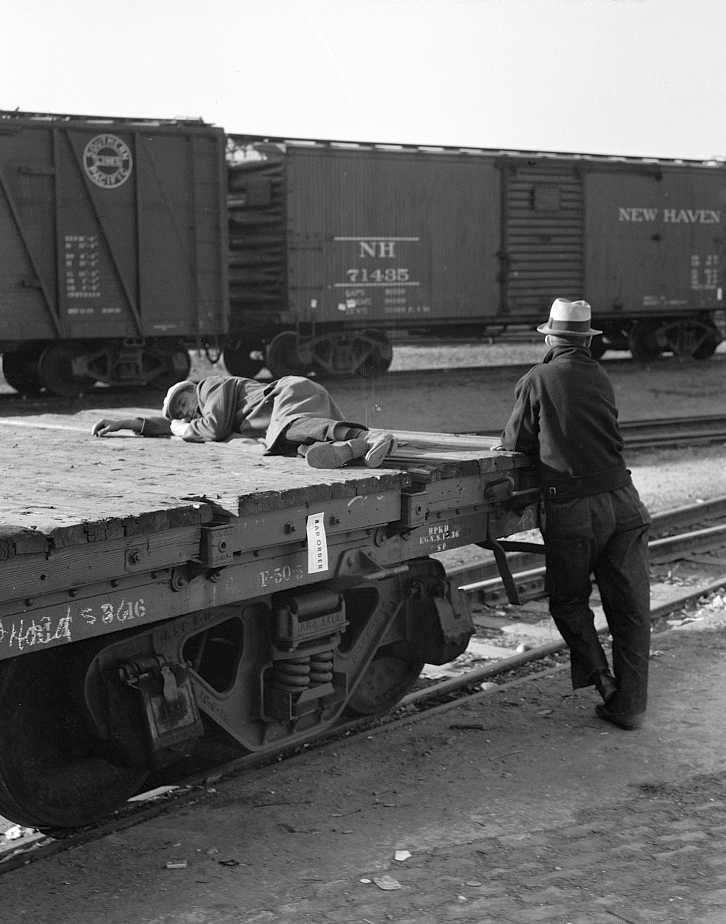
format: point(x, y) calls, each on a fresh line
point(317, 543)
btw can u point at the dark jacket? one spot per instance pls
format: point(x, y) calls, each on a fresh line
point(564, 414)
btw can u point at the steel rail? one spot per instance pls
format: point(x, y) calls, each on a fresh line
point(672, 431)
point(477, 675)
point(669, 548)
point(528, 573)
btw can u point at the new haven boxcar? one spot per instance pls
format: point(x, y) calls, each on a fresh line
point(334, 246)
point(112, 248)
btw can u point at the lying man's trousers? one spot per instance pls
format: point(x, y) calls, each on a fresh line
point(606, 535)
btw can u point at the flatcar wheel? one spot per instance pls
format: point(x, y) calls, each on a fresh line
point(55, 372)
point(51, 774)
point(386, 679)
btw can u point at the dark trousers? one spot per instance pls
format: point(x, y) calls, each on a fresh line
point(307, 430)
point(605, 535)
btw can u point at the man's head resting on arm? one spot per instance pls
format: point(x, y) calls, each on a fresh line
point(179, 408)
point(180, 402)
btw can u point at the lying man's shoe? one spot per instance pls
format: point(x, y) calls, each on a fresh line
point(379, 444)
point(621, 719)
point(337, 453)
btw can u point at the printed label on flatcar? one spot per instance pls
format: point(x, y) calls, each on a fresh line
point(317, 543)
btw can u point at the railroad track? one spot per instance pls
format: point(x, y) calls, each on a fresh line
point(692, 533)
point(665, 431)
point(118, 395)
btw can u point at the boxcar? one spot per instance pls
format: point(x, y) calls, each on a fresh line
point(124, 242)
point(337, 246)
point(112, 248)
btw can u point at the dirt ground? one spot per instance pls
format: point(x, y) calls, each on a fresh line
point(518, 806)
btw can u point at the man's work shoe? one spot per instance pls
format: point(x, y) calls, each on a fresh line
point(378, 445)
point(621, 719)
point(336, 453)
point(606, 685)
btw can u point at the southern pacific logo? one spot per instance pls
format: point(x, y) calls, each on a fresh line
point(671, 216)
point(107, 161)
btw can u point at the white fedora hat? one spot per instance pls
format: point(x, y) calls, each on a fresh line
point(171, 394)
point(568, 317)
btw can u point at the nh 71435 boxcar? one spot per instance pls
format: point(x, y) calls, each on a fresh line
point(336, 246)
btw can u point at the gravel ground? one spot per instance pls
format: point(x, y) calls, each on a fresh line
point(493, 801)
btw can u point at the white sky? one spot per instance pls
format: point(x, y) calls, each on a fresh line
point(641, 77)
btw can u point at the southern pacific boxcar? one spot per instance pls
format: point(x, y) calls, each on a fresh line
point(335, 246)
point(112, 248)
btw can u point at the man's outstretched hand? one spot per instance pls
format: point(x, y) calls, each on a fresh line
point(105, 426)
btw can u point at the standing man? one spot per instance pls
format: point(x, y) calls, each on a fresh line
point(290, 414)
point(592, 518)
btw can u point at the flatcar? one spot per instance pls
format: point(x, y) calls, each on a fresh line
point(244, 596)
point(127, 242)
point(335, 247)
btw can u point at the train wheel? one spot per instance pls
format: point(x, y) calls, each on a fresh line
point(55, 372)
point(643, 341)
point(283, 355)
point(692, 337)
point(21, 371)
point(379, 355)
point(244, 358)
point(708, 345)
point(598, 347)
point(173, 363)
point(391, 673)
point(51, 771)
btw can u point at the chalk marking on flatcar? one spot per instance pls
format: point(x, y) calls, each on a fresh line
point(43, 632)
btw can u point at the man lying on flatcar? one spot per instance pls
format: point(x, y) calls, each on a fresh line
point(291, 414)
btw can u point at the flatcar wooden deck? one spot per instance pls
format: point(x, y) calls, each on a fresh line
point(62, 487)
